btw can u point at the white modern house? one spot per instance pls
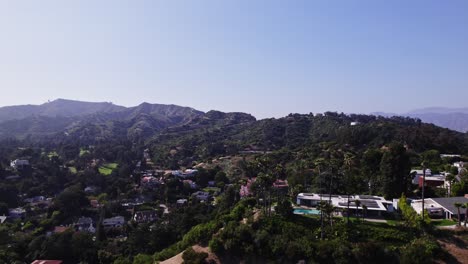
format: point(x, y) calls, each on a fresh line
point(373, 205)
point(19, 163)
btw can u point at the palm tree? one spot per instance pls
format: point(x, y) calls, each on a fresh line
point(348, 162)
point(458, 205)
point(465, 205)
point(423, 164)
point(364, 211)
point(357, 203)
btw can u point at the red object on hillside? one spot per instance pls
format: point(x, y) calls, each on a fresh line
point(47, 262)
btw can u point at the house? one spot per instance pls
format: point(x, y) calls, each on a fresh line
point(47, 262)
point(374, 205)
point(85, 224)
point(419, 174)
point(202, 196)
point(447, 205)
point(19, 164)
point(90, 190)
point(355, 123)
point(3, 219)
point(184, 175)
point(182, 202)
point(17, 213)
point(35, 199)
point(94, 203)
point(450, 156)
point(12, 177)
point(149, 182)
point(281, 186)
point(145, 216)
point(113, 222)
point(245, 189)
point(60, 229)
point(191, 183)
point(432, 181)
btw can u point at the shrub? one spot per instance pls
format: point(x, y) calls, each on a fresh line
point(192, 257)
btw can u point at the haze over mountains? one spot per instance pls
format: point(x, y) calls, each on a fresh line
point(101, 118)
point(452, 118)
point(106, 119)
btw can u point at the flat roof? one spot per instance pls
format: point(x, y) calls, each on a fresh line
point(373, 203)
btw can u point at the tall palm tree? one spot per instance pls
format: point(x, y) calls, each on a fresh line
point(357, 203)
point(458, 205)
point(318, 164)
point(364, 211)
point(348, 162)
point(423, 184)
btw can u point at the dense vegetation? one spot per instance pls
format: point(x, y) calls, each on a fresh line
point(111, 152)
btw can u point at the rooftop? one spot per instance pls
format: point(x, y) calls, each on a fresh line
point(373, 203)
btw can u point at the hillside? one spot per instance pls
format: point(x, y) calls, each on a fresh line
point(56, 108)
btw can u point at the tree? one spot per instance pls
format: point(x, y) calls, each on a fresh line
point(364, 211)
point(357, 203)
point(284, 208)
point(191, 257)
point(394, 171)
point(458, 205)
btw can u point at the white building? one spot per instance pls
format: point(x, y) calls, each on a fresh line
point(19, 164)
point(374, 205)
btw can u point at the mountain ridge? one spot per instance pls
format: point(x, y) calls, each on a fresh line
point(452, 118)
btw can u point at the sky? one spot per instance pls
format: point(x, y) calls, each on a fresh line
point(268, 58)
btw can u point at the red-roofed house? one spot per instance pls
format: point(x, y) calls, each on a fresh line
point(47, 262)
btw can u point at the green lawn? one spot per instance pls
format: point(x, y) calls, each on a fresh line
point(83, 152)
point(211, 189)
point(443, 222)
point(107, 168)
point(52, 154)
point(73, 170)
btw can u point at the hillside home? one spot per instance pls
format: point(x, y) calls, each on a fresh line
point(202, 196)
point(445, 207)
point(85, 224)
point(145, 216)
point(114, 222)
point(16, 213)
point(47, 262)
point(373, 205)
point(19, 164)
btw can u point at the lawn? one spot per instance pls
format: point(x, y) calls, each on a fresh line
point(52, 154)
point(107, 168)
point(211, 189)
point(83, 152)
point(443, 222)
point(73, 170)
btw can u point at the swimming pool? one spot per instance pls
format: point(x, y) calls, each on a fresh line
point(306, 211)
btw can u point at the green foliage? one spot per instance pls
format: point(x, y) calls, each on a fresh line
point(410, 216)
point(191, 257)
point(143, 259)
point(419, 251)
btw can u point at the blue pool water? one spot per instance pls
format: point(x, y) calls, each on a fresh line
point(307, 211)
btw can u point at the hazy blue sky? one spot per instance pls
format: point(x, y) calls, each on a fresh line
point(269, 58)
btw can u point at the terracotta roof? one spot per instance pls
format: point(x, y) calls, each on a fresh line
point(47, 262)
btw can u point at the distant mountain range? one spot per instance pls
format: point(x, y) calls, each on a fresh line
point(452, 118)
point(103, 119)
point(192, 132)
